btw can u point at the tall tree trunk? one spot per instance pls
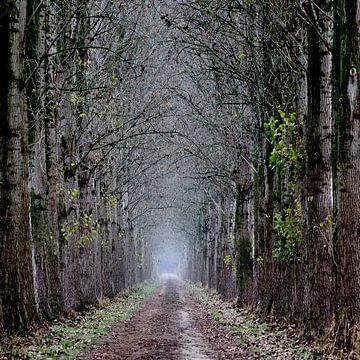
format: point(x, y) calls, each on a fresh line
point(347, 155)
point(44, 160)
point(243, 246)
point(16, 278)
point(318, 196)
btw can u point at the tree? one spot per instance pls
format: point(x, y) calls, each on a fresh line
point(318, 194)
point(347, 166)
point(17, 297)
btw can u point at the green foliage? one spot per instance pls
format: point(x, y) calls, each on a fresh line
point(81, 62)
point(216, 314)
point(84, 228)
point(75, 99)
point(285, 159)
point(287, 226)
point(90, 229)
point(141, 259)
point(227, 260)
point(329, 222)
point(283, 133)
point(110, 198)
point(118, 122)
point(69, 228)
point(88, 226)
point(74, 193)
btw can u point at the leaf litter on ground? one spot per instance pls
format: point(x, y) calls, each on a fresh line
point(261, 338)
point(66, 337)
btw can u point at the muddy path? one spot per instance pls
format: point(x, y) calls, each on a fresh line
point(169, 325)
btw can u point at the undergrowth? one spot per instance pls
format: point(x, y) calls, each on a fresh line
point(261, 339)
point(66, 338)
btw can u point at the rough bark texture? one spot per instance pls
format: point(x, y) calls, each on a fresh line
point(147, 129)
point(318, 189)
point(16, 279)
point(347, 110)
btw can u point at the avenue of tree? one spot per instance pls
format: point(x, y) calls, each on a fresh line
point(220, 136)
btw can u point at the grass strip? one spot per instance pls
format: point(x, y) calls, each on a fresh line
point(66, 338)
point(263, 339)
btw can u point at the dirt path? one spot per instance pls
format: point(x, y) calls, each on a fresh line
point(169, 325)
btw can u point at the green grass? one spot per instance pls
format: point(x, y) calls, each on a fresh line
point(65, 339)
point(258, 337)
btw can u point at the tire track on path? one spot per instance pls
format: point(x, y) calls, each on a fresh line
point(162, 328)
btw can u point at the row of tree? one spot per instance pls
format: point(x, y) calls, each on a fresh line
point(226, 131)
point(72, 166)
point(274, 140)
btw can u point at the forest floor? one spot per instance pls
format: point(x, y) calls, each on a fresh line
point(183, 321)
point(168, 320)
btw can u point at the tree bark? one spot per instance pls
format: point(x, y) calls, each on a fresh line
point(318, 189)
point(17, 298)
point(243, 245)
point(347, 157)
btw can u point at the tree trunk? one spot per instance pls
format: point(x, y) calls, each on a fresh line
point(347, 155)
point(243, 246)
point(16, 277)
point(318, 189)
